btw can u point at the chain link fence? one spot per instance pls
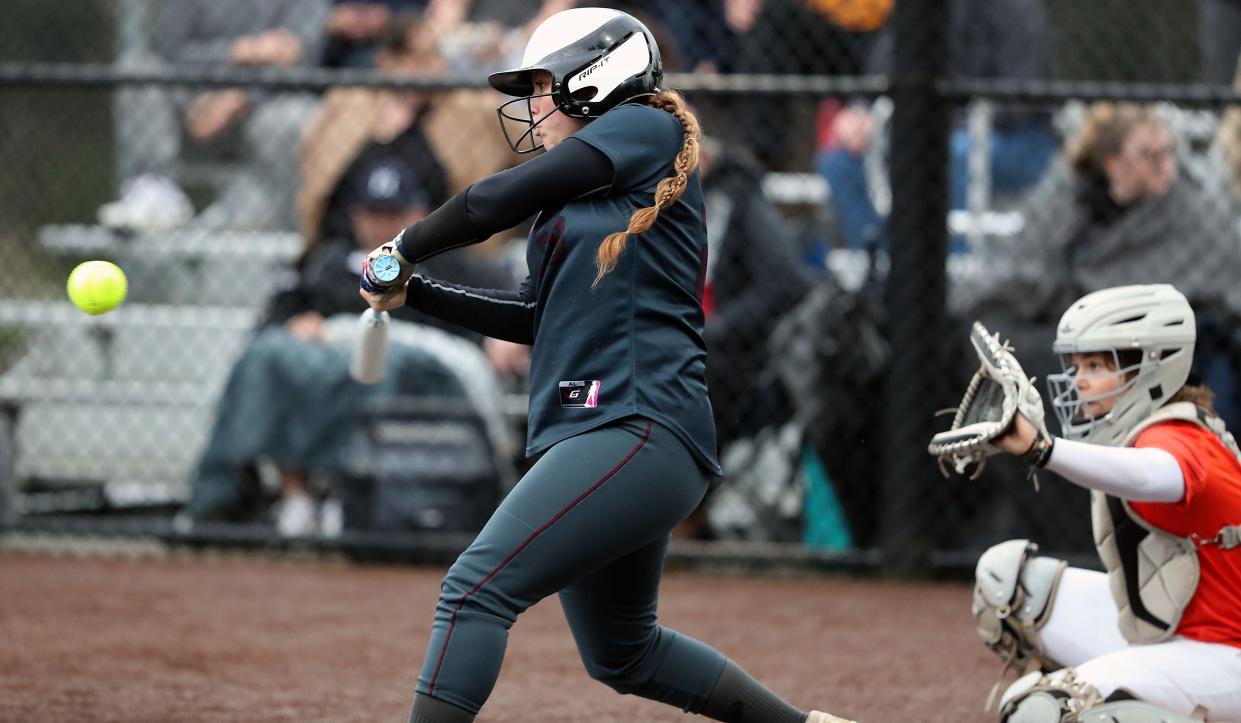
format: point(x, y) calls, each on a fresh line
point(878, 173)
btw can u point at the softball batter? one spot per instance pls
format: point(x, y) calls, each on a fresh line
point(1158, 637)
point(618, 405)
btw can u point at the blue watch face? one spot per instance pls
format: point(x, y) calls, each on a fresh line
point(386, 268)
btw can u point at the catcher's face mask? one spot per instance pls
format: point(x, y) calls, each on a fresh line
point(1086, 394)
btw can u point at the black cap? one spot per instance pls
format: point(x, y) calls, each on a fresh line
point(390, 184)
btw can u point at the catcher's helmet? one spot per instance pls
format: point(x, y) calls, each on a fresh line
point(598, 58)
point(1154, 319)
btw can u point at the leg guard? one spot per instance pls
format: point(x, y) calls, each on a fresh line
point(1013, 596)
point(1051, 698)
point(1062, 697)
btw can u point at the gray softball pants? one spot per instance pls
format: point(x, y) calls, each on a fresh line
point(591, 521)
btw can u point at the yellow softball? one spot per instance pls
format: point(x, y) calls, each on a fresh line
point(97, 286)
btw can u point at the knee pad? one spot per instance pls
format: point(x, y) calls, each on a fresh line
point(1050, 698)
point(1062, 697)
point(1013, 596)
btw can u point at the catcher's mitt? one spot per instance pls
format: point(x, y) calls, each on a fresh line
point(999, 390)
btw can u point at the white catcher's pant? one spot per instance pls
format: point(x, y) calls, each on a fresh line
point(1176, 675)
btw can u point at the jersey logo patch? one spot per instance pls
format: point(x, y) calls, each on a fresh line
point(580, 393)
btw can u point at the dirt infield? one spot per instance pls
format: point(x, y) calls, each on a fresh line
point(261, 640)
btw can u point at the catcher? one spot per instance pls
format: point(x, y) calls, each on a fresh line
point(1157, 638)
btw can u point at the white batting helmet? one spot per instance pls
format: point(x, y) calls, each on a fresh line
point(1154, 319)
point(598, 58)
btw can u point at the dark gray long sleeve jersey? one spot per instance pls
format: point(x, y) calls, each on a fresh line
point(631, 345)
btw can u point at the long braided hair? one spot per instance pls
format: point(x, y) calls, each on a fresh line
point(668, 190)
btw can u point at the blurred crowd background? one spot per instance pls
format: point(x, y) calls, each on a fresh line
point(878, 174)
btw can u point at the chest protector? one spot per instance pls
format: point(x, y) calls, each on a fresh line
point(1152, 573)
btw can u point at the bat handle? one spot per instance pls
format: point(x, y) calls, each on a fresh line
point(370, 349)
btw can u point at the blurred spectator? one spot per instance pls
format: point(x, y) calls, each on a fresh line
point(289, 398)
point(428, 129)
point(1115, 211)
point(795, 37)
point(831, 357)
point(166, 135)
point(1219, 39)
point(481, 36)
point(354, 29)
point(1225, 153)
point(988, 39)
point(754, 276)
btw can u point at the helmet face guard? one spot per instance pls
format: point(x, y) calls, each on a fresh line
point(1076, 414)
point(611, 59)
point(518, 124)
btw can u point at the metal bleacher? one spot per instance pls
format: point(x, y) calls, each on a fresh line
point(120, 404)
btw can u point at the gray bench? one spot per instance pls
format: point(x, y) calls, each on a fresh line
point(123, 400)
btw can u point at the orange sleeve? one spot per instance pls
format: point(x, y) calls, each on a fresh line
point(1183, 440)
